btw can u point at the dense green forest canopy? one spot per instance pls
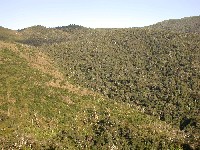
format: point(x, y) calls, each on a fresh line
point(186, 25)
point(154, 70)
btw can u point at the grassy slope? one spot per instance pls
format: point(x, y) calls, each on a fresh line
point(40, 110)
point(9, 35)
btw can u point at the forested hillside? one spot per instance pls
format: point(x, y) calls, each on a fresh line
point(186, 25)
point(158, 71)
point(135, 78)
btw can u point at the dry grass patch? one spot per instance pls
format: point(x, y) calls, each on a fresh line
point(67, 100)
point(68, 86)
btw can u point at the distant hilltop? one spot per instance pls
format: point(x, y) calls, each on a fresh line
point(187, 24)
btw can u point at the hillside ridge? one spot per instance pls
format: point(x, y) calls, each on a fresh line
point(131, 88)
point(186, 25)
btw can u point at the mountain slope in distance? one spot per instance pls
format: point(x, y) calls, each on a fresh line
point(187, 25)
point(40, 110)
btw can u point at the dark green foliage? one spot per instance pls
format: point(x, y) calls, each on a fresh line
point(34, 115)
point(155, 71)
point(152, 69)
point(186, 25)
point(39, 35)
point(70, 27)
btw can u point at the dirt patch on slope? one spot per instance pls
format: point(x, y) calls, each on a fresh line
point(70, 87)
point(34, 57)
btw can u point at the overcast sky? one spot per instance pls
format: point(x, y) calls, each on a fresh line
point(17, 14)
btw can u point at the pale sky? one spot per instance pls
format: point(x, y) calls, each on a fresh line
point(18, 14)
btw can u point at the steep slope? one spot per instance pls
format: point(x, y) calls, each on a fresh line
point(187, 25)
point(39, 109)
point(156, 70)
